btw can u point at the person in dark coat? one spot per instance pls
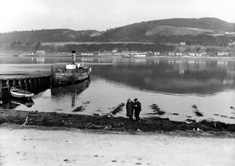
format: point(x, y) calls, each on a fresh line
point(137, 108)
point(129, 108)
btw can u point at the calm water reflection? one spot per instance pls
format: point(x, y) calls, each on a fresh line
point(173, 84)
point(176, 77)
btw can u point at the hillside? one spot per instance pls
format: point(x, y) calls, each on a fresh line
point(207, 31)
point(53, 35)
point(173, 30)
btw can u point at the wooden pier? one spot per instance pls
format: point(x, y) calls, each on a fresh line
point(24, 82)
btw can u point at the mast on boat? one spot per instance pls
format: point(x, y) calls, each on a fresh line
point(73, 57)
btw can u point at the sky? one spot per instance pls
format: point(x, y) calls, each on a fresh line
point(23, 15)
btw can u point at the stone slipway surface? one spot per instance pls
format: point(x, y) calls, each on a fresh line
point(24, 146)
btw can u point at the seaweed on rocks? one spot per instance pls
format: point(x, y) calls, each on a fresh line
point(157, 110)
point(198, 113)
point(196, 110)
point(150, 124)
point(79, 109)
point(118, 109)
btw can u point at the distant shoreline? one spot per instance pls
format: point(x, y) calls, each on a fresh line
point(120, 57)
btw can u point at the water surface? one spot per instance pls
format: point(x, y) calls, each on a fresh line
point(175, 85)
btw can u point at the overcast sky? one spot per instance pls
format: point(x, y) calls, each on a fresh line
point(18, 15)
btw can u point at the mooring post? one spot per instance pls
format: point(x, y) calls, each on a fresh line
point(30, 83)
point(50, 82)
point(20, 83)
point(34, 82)
point(25, 83)
point(7, 83)
point(38, 81)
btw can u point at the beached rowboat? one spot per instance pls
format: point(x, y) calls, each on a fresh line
point(20, 93)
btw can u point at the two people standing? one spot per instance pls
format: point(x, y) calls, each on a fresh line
point(133, 107)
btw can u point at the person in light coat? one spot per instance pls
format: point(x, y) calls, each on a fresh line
point(129, 108)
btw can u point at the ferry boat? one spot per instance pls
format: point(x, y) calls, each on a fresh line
point(69, 74)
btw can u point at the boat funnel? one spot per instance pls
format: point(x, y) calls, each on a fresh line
point(73, 57)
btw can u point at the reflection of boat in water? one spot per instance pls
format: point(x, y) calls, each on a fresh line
point(23, 101)
point(10, 102)
point(20, 93)
point(70, 74)
point(71, 89)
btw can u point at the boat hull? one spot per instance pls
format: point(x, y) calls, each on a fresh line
point(63, 76)
point(19, 93)
point(71, 89)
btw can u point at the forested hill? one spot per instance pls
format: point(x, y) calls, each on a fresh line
point(201, 31)
point(173, 30)
point(48, 35)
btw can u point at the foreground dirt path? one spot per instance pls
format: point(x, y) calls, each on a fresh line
point(34, 147)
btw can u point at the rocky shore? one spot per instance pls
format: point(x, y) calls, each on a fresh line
point(111, 123)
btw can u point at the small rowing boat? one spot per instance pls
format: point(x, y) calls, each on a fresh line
point(20, 93)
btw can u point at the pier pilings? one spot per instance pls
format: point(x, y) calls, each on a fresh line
point(24, 83)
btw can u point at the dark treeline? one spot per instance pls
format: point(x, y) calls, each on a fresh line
point(118, 47)
point(203, 40)
point(89, 47)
